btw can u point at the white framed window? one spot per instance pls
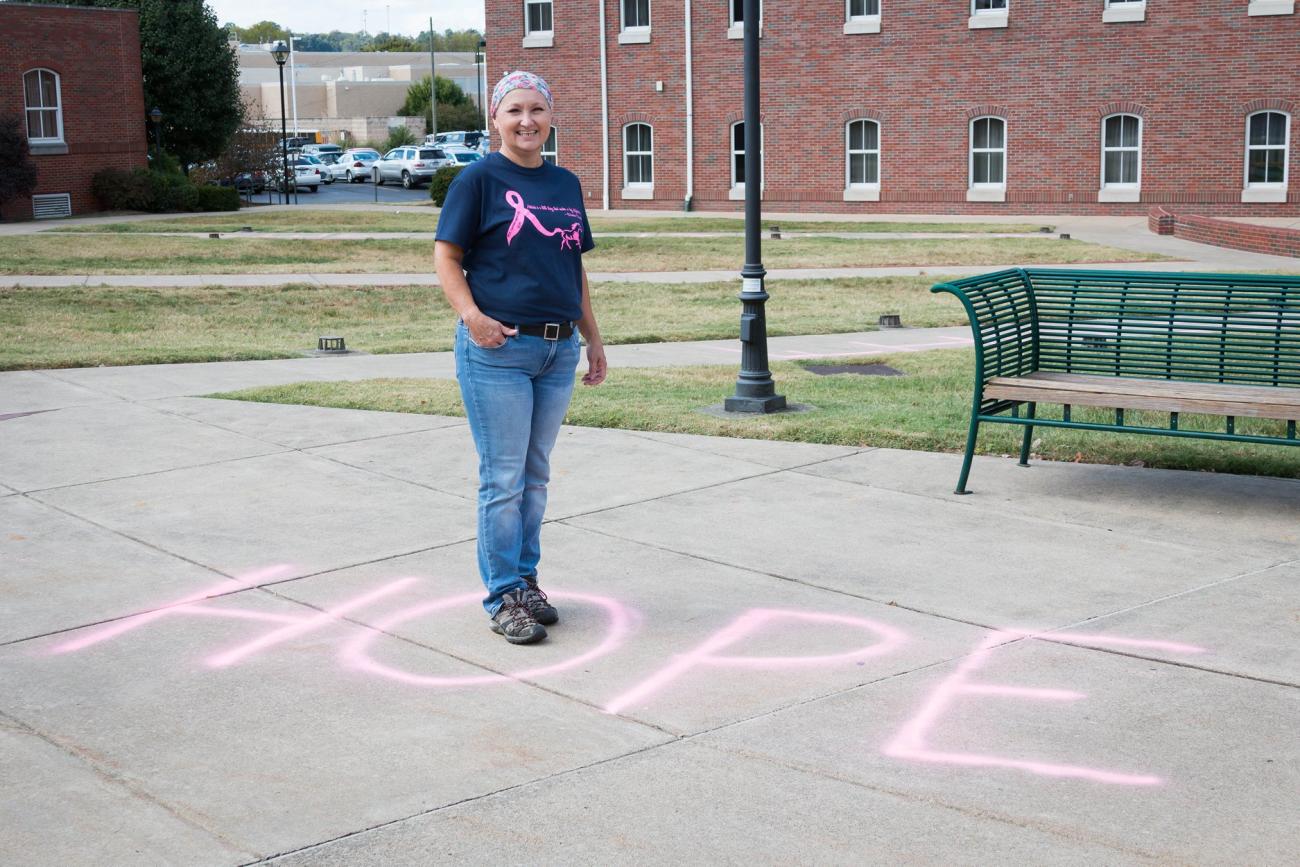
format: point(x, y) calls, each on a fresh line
point(1268, 140)
point(738, 173)
point(861, 16)
point(44, 105)
point(988, 160)
point(550, 149)
point(539, 24)
point(638, 161)
point(862, 161)
point(1121, 158)
point(634, 21)
point(1115, 11)
point(988, 13)
point(736, 19)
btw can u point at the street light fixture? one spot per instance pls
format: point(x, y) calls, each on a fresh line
point(755, 390)
point(281, 53)
point(155, 115)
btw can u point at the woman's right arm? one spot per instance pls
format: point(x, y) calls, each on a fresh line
point(483, 329)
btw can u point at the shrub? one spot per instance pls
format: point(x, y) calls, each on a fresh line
point(146, 190)
point(441, 182)
point(217, 198)
point(397, 137)
point(17, 170)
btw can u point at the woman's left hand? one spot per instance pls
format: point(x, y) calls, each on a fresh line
point(596, 365)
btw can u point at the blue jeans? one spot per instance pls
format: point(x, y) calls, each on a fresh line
point(515, 397)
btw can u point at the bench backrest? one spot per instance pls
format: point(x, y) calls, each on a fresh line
point(1239, 328)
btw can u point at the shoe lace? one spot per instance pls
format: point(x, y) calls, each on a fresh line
point(514, 610)
point(534, 596)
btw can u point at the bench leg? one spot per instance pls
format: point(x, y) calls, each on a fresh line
point(1029, 435)
point(970, 452)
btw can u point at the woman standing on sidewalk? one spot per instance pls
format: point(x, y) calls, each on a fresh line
point(508, 253)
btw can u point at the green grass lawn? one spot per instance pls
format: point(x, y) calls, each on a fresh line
point(400, 218)
point(926, 409)
point(139, 254)
point(91, 325)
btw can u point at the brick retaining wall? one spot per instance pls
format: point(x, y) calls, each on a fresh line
point(1272, 240)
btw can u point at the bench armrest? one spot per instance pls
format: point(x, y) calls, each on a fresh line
point(1004, 321)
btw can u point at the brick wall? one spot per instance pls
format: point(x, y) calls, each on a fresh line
point(96, 53)
point(1275, 241)
point(1192, 74)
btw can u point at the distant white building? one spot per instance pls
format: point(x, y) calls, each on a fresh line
point(346, 96)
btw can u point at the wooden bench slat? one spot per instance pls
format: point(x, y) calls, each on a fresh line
point(1212, 398)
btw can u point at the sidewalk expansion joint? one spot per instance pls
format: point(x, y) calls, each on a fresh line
point(134, 790)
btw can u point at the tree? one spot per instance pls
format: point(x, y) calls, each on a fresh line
point(451, 40)
point(262, 32)
point(455, 110)
point(390, 42)
point(17, 171)
point(190, 74)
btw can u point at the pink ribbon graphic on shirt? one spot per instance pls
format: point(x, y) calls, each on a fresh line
point(570, 236)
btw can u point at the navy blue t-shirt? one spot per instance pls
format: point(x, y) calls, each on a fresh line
point(523, 232)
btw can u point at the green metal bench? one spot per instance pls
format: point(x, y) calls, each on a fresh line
point(1216, 344)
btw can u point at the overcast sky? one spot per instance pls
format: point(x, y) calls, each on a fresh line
point(407, 17)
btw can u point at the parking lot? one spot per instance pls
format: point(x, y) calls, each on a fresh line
point(342, 193)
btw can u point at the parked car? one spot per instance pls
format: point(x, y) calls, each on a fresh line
point(464, 138)
point(462, 156)
point(327, 160)
point(412, 165)
point(306, 174)
point(320, 150)
point(354, 165)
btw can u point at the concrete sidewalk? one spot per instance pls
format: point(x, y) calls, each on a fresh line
point(768, 653)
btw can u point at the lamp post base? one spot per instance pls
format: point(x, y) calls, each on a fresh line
point(770, 403)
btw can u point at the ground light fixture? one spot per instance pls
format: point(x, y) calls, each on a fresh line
point(281, 53)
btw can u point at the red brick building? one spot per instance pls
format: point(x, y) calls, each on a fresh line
point(73, 75)
point(940, 106)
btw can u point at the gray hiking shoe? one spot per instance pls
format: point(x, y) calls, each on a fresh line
point(514, 621)
point(543, 611)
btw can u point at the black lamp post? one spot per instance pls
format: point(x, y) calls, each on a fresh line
point(755, 390)
point(480, 59)
point(155, 115)
point(281, 53)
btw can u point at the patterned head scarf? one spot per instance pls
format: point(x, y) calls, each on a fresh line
point(520, 80)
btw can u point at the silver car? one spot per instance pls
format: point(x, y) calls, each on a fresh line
point(412, 164)
point(354, 165)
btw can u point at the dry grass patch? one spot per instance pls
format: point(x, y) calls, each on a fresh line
point(91, 325)
point(421, 218)
point(136, 254)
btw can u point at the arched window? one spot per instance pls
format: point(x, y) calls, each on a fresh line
point(638, 155)
point(738, 173)
point(44, 106)
point(1121, 151)
point(862, 154)
point(551, 150)
point(1268, 138)
point(988, 152)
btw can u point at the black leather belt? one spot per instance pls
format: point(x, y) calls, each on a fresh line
point(549, 331)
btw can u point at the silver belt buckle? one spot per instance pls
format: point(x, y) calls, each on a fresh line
point(551, 331)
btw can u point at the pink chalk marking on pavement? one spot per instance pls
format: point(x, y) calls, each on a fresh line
point(749, 622)
point(910, 742)
point(126, 624)
point(356, 653)
point(306, 624)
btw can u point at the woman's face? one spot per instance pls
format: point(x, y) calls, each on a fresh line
point(523, 121)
